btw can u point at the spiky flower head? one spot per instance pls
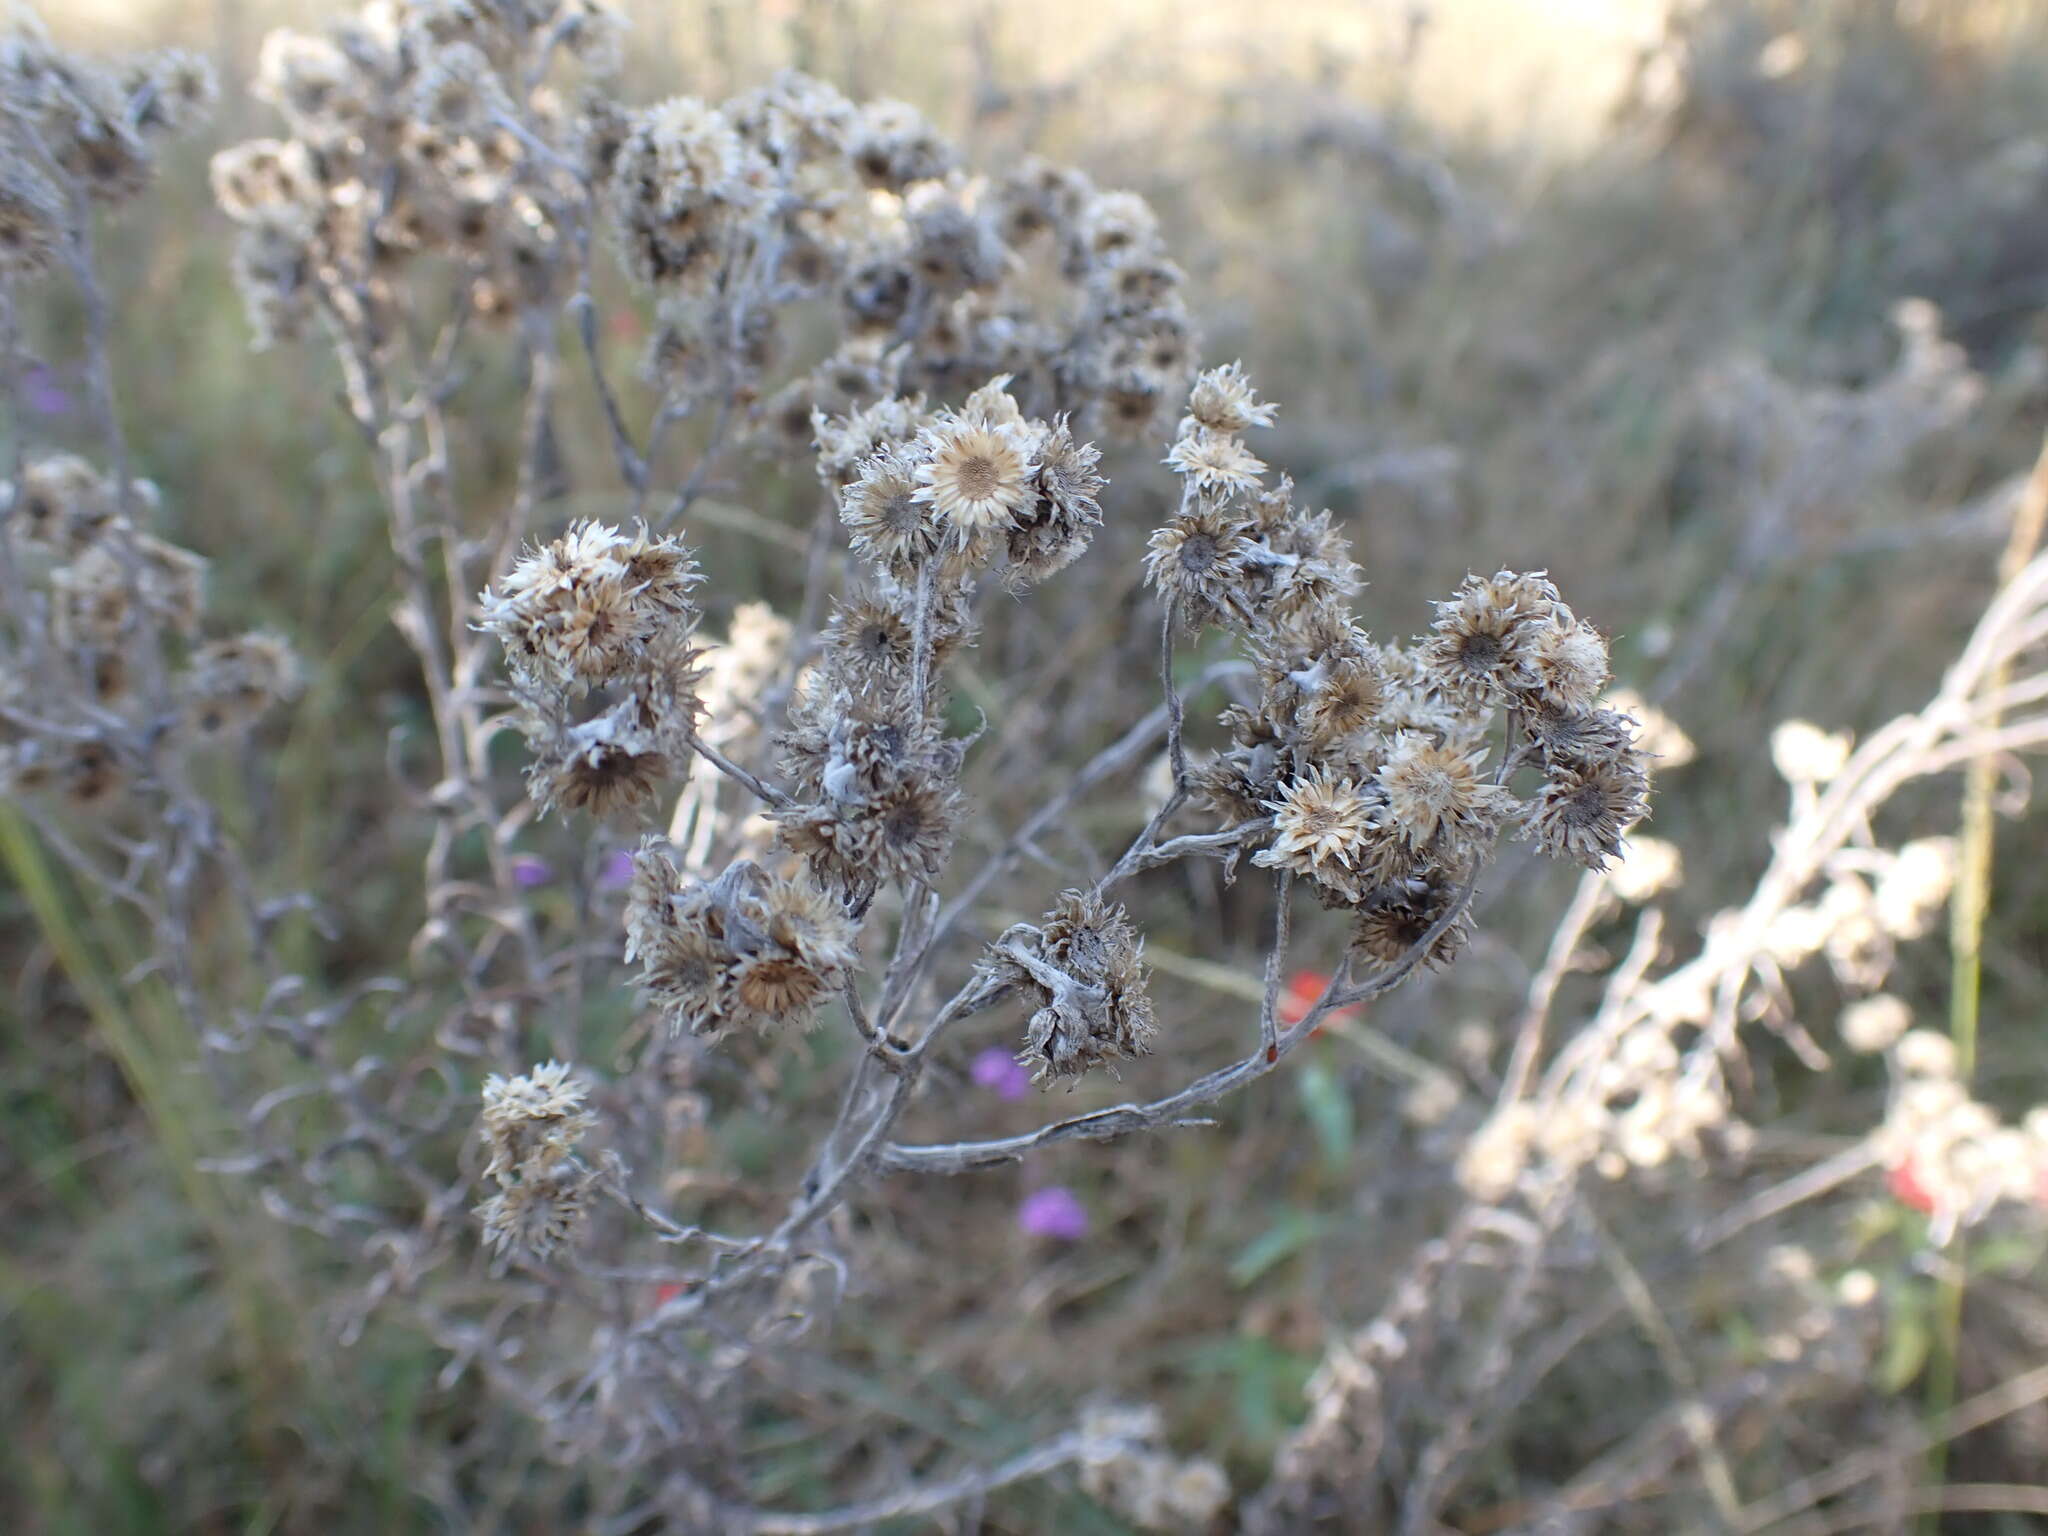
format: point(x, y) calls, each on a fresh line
point(1223, 401)
point(535, 1120)
point(1483, 647)
point(1400, 916)
point(1438, 793)
point(611, 763)
point(977, 479)
point(1325, 827)
point(749, 949)
point(1082, 969)
point(588, 608)
point(892, 526)
point(1582, 811)
point(1215, 463)
point(539, 1214)
point(1066, 513)
point(1198, 563)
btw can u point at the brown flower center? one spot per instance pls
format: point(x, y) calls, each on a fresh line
point(978, 477)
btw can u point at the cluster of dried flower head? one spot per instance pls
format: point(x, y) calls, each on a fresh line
point(420, 127)
point(1378, 764)
point(597, 630)
point(109, 670)
point(112, 670)
point(534, 1126)
point(748, 949)
point(411, 136)
point(74, 132)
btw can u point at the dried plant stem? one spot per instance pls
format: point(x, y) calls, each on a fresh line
point(1966, 942)
point(1564, 944)
point(924, 1498)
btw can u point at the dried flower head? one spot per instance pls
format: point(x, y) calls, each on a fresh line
point(1483, 647)
point(977, 479)
point(611, 763)
point(1569, 658)
point(592, 607)
point(534, 1121)
point(1581, 812)
point(1215, 463)
point(1223, 401)
point(1401, 914)
point(1325, 827)
point(1083, 971)
point(1198, 563)
point(748, 949)
point(31, 221)
point(1437, 793)
point(230, 684)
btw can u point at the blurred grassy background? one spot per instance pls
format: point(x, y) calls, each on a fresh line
point(1497, 261)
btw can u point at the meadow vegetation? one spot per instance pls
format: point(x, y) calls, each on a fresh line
point(854, 766)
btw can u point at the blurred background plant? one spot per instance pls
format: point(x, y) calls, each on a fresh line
point(1730, 318)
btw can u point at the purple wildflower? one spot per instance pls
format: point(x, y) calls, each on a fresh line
point(617, 871)
point(43, 394)
point(1053, 1212)
point(1001, 1073)
point(530, 870)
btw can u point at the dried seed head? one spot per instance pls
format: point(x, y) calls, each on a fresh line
point(1437, 794)
point(1484, 642)
point(1198, 563)
point(1581, 812)
point(1063, 519)
point(748, 949)
point(539, 1214)
point(1215, 463)
point(62, 505)
point(1570, 661)
point(593, 607)
point(1325, 827)
point(1084, 973)
point(1223, 401)
point(534, 1121)
point(1400, 915)
point(457, 90)
point(891, 145)
point(892, 526)
point(230, 684)
point(609, 764)
point(31, 221)
point(977, 479)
